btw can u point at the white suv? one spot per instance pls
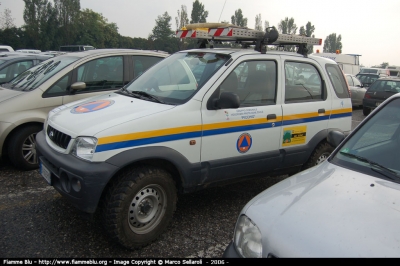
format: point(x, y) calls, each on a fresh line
point(197, 118)
point(26, 100)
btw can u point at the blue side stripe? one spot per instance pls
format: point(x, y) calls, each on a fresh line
point(140, 142)
point(239, 129)
point(212, 132)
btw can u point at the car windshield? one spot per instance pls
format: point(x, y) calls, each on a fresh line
point(385, 85)
point(35, 76)
point(374, 148)
point(177, 78)
point(367, 79)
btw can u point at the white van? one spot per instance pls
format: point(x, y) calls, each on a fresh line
point(372, 70)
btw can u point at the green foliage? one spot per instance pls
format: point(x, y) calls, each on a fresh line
point(258, 24)
point(308, 31)
point(162, 29)
point(332, 43)
point(287, 26)
point(384, 65)
point(6, 20)
point(199, 15)
point(238, 19)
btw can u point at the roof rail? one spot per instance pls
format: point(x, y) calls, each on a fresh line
point(210, 33)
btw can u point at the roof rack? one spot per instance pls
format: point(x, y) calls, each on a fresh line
point(210, 33)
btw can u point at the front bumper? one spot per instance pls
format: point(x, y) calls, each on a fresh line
point(230, 252)
point(80, 182)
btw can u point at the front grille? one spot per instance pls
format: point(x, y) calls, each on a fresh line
point(59, 138)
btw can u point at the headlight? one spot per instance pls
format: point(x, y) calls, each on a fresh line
point(247, 238)
point(84, 147)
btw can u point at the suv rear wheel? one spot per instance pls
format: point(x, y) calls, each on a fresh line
point(320, 154)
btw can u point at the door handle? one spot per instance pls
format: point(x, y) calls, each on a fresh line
point(321, 111)
point(271, 116)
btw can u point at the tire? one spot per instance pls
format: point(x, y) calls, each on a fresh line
point(320, 154)
point(366, 111)
point(22, 147)
point(130, 215)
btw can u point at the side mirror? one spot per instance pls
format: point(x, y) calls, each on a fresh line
point(78, 86)
point(335, 138)
point(227, 100)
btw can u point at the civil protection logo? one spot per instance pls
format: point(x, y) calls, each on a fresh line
point(92, 106)
point(244, 142)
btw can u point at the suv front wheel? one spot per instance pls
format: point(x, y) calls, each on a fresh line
point(139, 206)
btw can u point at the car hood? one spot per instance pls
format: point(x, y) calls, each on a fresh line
point(93, 115)
point(329, 211)
point(6, 94)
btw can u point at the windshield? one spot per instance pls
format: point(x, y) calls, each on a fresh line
point(374, 148)
point(177, 78)
point(35, 76)
point(2, 61)
point(386, 85)
point(367, 79)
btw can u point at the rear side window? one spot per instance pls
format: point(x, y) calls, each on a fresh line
point(337, 80)
point(303, 83)
point(142, 63)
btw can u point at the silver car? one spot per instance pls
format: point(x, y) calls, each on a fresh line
point(347, 206)
point(357, 90)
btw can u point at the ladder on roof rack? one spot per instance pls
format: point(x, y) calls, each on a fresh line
point(245, 36)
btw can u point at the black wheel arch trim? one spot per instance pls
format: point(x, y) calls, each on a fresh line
point(189, 173)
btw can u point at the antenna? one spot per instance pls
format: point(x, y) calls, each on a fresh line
point(222, 10)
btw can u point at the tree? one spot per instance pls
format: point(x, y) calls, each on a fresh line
point(287, 26)
point(308, 31)
point(181, 20)
point(258, 24)
point(35, 15)
point(162, 29)
point(332, 43)
point(68, 12)
point(266, 24)
point(6, 20)
point(238, 19)
point(94, 29)
point(199, 15)
point(384, 65)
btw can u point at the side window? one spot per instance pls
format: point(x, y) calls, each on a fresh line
point(59, 88)
point(303, 83)
point(13, 70)
point(254, 82)
point(101, 74)
point(337, 80)
point(356, 82)
point(350, 80)
point(142, 63)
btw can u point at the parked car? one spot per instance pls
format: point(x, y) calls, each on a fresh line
point(347, 206)
point(379, 91)
point(6, 48)
point(357, 89)
point(189, 123)
point(76, 48)
point(29, 51)
point(13, 63)
point(367, 79)
point(372, 70)
point(27, 99)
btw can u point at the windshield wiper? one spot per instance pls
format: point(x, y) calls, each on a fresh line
point(385, 171)
point(147, 96)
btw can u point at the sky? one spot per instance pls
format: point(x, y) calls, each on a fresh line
point(368, 27)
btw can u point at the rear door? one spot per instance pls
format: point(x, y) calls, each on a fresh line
point(306, 108)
